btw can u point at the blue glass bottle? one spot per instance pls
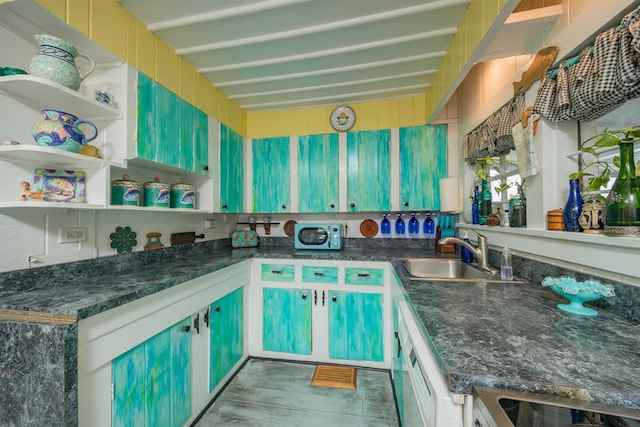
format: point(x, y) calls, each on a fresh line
point(414, 225)
point(385, 225)
point(465, 254)
point(573, 208)
point(400, 227)
point(429, 227)
point(485, 207)
point(475, 210)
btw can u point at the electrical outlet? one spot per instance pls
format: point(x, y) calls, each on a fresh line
point(210, 223)
point(72, 234)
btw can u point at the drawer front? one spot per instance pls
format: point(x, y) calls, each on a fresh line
point(364, 276)
point(317, 274)
point(278, 272)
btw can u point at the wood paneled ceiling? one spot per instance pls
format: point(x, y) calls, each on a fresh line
point(269, 55)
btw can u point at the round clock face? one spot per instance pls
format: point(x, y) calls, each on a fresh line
point(342, 118)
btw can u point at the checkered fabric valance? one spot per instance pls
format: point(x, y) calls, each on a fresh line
point(598, 80)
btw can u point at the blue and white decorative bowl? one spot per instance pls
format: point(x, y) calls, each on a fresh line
point(578, 293)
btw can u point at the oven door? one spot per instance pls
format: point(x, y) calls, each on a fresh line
point(497, 408)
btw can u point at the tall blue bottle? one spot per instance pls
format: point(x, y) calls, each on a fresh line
point(475, 210)
point(573, 207)
point(400, 227)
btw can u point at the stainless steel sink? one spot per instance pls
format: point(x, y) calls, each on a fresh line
point(446, 269)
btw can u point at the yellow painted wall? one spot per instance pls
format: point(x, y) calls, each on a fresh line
point(109, 24)
point(369, 116)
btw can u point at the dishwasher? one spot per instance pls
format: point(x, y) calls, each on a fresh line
point(428, 401)
point(508, 408)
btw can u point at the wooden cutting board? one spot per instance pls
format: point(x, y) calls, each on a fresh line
point(184, 238)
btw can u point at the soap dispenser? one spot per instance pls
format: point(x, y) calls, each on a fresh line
point(506, 270)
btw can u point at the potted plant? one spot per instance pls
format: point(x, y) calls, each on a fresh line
point(622, 206)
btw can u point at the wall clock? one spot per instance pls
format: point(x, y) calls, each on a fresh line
point(342, 118)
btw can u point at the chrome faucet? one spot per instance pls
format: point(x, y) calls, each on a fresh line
point(481, 253)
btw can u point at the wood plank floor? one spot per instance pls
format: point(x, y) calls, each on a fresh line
point(276, 393)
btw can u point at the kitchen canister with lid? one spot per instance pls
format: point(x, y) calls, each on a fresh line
point(183, 195)
point(125, 192)
point(157, 194)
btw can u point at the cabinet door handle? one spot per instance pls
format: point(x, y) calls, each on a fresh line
point(216, 309)
point(276, 271)
point(196, 323)
point(332, 205)
point(399, 345)
point(318, 273)
point(363, 274)
point(185, 328)
point(225, 206)
point(315, 297)
point(334, 298)
point(304, 296)
point(353, 205)
point(206, 317)
point(284, 206)
point(323, 298)
point(406, 204)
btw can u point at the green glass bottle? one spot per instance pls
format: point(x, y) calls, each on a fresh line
point(622, 212)
point(484, 209)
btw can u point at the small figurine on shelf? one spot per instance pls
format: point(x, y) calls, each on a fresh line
point(27, 193)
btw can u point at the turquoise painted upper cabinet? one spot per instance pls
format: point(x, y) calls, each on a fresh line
point(231, 170)
point(226, 335)
point(318, 171)
point(152, 381)
point(356, 326)
point(200, 136)
point(423, 162)
point(368, 171)
point(287, 320)
point(271, 172)
point(170, 130)
point(146, 117)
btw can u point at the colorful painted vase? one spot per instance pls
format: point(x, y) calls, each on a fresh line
point(592, 217)
point(63, 131)
point(56, 61)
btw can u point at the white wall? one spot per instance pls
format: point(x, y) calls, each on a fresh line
point(488, 87)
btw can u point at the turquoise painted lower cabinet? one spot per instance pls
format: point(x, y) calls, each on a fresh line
point(287, 320)
point(356, 326)
point(226, 335)
point(152, 381)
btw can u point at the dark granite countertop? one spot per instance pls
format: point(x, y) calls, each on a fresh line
point(513, 336)
point(497, 335)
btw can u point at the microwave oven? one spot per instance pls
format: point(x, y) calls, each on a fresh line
point(318, 236)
